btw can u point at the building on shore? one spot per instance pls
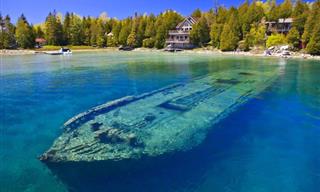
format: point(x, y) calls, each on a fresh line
point(282, 26)
point(40, 42)
point(180, 37)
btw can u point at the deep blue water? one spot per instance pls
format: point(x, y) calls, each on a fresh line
point(269, 144)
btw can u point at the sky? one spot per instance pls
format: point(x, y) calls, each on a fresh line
point(37, 10)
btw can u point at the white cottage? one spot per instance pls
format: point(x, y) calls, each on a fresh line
point(180, 37)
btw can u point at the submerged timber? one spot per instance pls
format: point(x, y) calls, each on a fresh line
point(175, 118)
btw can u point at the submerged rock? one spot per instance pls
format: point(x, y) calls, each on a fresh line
point(175, 118)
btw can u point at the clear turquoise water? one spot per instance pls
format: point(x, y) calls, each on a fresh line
point(269, 144)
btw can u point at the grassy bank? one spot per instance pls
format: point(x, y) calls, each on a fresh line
point(55, 48)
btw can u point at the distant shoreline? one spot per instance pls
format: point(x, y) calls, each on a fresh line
point(295, 55)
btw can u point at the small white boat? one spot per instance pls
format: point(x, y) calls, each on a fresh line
point(62, 51)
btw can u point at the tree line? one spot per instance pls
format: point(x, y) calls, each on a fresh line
point(224, 28)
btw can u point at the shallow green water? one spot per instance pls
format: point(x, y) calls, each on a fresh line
point(269, 144)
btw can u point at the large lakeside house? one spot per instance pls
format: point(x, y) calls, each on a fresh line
point(180, 37)
point(282, 26)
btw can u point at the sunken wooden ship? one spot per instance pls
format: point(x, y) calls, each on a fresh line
point(171, 119)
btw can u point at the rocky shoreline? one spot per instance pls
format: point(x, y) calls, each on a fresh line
point(294, 55)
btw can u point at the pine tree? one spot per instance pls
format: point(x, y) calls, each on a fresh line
point(210, 17)
point(293, 38)
point(150, 28)
point(274, 12)
point(217, 26)
point(160, 37)
point(53, 30)
point(132, 39)
point(285, 9)
point(125, 31)
point(38, 32)
point(116, 28)
point(24, 33)
point(215, 34)
point(222, 15)
point(196, 14)
point(243, 18)
point(101, 33)
point(141, 30)
point(76, 32)
point(249, 14)
point(98, 31)
point(86, 23)
point(255, 13)
point(7, 33)
point(231, 32)
point(260, 37)
point(66, 28)
point(300, 15)
point(2, 32)
point(199, 34)
point(312, 20)
point(313, 46)
point(195, 35)
point(93, 31)
point(256, 36)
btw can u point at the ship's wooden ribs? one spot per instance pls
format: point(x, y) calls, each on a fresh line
point(245, 73)
point(228, 81)
point(186, 103)
point(196, 97)
point(91, 113)
point(149, 118)
point(104, 108)
point(174, 106)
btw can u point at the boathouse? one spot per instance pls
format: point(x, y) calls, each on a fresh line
point(40, 42)
point(281, 26)
point(180, 37)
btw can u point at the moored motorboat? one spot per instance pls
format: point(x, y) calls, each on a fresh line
point(126, 48)
point(62, 51)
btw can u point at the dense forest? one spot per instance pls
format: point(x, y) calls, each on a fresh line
point(223, 28)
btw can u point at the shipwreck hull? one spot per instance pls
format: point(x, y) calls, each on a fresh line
point(101, 175)
point(173, 119)
point(137, 174)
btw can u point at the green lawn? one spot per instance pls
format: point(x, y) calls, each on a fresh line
point(53, 47)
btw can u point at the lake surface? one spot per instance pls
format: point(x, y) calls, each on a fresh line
point(271, 143)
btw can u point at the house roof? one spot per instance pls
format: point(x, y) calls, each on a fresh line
point(288, 20)
point(189, 19)
point(40, 40)
point(282, 20)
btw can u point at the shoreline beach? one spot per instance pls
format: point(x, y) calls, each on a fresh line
point(295, 55)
